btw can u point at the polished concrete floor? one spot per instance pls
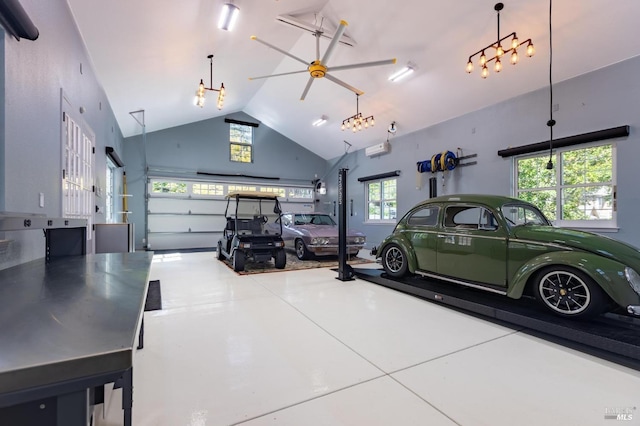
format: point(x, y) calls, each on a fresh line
point(303, 348)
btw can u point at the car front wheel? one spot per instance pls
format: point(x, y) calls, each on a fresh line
point(569, 293)
point(301, 250)
point(394, 261)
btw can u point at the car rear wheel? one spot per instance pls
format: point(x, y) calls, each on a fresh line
point(280, 259)
point(301, 250)
point(394, 261)
point(238, 261)
point(569, 293)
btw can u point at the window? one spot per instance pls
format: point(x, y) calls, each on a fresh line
point(110, 200)
point(207, 189)
point(241, 141)
point(280, 192)
point(381, 200)
point(77, 173)
point(578, 192)
point(169, 187)
point(426, 216)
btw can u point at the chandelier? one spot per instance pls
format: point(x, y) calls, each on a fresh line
point(202, 89)
point(357, 122)
point(499, 51)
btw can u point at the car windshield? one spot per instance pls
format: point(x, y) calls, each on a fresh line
point(521, 214)
point(313, 219)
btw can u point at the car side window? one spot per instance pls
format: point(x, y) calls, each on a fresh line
point(469, 217)
point(426, 216)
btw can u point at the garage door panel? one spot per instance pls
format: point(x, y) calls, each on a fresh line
point(184, 223)
point(186, 205)
point(183, 241)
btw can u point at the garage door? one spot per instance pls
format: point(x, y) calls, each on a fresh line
point(184, 214)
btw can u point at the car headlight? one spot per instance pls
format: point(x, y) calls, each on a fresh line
point(319, 241)
point(359, 240)
point(633, 278)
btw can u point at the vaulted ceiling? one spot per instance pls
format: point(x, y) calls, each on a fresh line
point(151, 54)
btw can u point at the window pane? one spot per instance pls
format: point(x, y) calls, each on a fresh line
point(587, 203)
point(374, 191)
point(389, 210)
point(239, 133)
point(389, 189)
point(544, 200)
point(240, 153)
point(590, 165)
point(533, 173)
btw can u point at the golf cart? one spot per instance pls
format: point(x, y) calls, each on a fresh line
point(245, 235)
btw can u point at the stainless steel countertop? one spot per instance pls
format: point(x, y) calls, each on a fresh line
point(71, 318)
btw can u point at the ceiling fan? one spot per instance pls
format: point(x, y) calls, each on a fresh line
point(319, 68)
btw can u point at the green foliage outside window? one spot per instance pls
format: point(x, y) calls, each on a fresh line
point(169, 187)
point(585, 190)
point(240, 153)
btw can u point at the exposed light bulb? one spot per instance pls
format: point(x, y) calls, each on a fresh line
point(514, 42)
point(499, 51)
point(200, 91)
point(514, 57)
point(373, 122)
point(498, 66)
point(530, 50)
point(348, 124)
point(469, 67)
point(342, 127)
point(483, 59)
point(485, 72)
point(353, 129)
point(366, 124)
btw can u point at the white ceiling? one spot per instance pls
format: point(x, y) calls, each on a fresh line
point(150, 55)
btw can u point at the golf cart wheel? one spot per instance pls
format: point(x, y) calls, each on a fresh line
point(238, 261)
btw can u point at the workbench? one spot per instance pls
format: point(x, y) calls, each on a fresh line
point(67, 328)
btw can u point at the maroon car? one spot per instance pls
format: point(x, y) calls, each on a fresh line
point(316, 234)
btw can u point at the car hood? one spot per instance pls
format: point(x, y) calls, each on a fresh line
point(326, 231)
point(582, 240)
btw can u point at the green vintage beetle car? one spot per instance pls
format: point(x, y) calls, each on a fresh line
point(507, 246)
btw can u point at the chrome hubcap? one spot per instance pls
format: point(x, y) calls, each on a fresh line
point(564, 292)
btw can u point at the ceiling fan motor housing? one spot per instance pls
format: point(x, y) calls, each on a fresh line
point(317, 70)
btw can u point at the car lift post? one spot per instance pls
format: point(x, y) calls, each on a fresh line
point(345, 272)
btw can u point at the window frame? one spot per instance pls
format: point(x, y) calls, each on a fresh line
point(559, 186)
point(382, 200)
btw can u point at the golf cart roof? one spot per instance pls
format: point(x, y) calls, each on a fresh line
point(252, 195)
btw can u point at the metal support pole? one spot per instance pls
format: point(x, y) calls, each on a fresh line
point(345, 272)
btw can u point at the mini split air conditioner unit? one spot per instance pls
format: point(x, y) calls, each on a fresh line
point(379, 149)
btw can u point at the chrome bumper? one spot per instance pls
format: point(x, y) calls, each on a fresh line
point(634, 309)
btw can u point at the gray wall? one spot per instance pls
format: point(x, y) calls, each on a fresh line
point(33, 75)
point(602, 99)
point(204, 147)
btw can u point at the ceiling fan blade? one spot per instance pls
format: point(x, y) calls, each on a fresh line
point(284, 52)
point(362, 65)
point(278, 75)
point(334, 41)
point(343, 84)
point(306, 89)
